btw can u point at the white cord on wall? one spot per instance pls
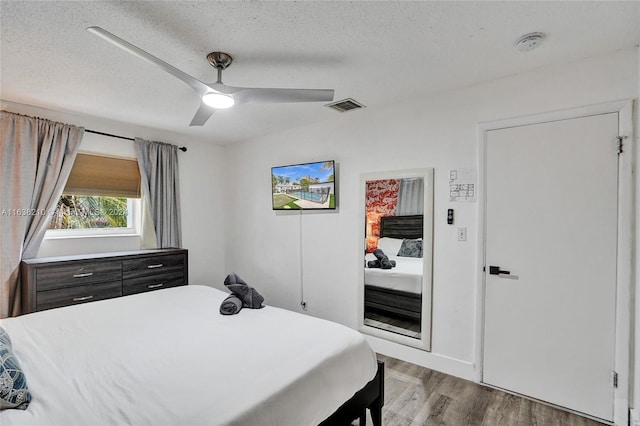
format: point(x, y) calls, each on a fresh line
point(303, 302)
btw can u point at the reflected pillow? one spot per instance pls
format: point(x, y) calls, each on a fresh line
point(13, 383)
point(411, 248)
point(390, 246)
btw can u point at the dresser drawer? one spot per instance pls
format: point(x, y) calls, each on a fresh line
point(140, 285)
point(153, 266)
point(77, 273)
point(77, 294)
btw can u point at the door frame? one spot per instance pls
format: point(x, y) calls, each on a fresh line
point(624, 108)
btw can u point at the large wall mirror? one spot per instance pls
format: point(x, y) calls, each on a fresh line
point(395, 296)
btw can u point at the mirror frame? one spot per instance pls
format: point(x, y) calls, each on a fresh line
point(424, 342)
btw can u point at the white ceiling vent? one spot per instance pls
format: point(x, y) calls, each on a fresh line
point(345, 105)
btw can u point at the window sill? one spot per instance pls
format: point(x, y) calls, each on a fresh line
point(79, 236)
point(83, 244)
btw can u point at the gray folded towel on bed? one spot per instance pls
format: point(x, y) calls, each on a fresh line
point(376, 264)
point(248, 295)
point(231, 305)
point(385, 263)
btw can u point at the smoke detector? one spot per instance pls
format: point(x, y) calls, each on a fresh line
point(528, 42)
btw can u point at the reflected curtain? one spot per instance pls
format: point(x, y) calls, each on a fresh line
point(410, 197)
point(37, 156)
point(158, 164)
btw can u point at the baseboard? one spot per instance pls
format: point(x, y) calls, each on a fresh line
point(635, 417)
point(444, 364)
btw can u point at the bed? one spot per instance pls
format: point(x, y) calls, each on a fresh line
point(396, 292)
point(168, 357)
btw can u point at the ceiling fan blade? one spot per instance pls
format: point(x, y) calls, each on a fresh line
point(196, 84)
point(268, 95)
point(202, 115)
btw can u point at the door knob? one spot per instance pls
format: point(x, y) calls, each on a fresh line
point(495, 270)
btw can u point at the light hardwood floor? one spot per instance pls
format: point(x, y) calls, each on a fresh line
point(415, 395)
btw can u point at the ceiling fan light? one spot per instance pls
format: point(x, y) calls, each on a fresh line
point(218, 100)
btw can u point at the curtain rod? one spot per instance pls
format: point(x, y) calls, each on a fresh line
point(182, 148)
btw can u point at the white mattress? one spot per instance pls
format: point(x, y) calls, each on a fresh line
point(169, 358)
point(405, 276)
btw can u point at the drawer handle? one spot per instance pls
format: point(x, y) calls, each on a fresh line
point(80, 299)
point(159, 265)
point(88, 274)
point(155, 285)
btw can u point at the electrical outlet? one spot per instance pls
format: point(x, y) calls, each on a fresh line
point(462, 233)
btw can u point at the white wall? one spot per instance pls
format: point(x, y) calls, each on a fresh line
point(440, 132)
point(635, 337)
point(201, 174)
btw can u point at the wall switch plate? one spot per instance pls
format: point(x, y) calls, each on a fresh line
point(462, 233)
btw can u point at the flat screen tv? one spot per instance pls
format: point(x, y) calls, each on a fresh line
point(308, 186)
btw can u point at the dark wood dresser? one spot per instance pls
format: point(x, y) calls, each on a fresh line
point(52, 282)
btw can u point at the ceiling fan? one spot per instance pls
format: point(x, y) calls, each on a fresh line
point(218, 95)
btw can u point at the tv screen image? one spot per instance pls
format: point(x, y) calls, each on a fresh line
point(304, 186)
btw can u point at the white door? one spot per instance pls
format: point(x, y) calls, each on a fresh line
point(551, 228)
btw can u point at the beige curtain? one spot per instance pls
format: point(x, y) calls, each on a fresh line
point(158, 164)
point(37, 156)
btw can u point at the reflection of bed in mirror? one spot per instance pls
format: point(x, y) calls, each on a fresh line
point(396, 292)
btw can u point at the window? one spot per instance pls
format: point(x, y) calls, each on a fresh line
point(93, 212)
point(102, 196)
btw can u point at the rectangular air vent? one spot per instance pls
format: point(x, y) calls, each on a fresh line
point(345, 105)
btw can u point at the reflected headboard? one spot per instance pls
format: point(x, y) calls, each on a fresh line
point(402, 226)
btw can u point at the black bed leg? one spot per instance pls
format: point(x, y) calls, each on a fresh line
point(376, 412)
point(376, 406)
point(363, 418)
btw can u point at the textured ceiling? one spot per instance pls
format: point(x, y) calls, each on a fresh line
point(378, 53)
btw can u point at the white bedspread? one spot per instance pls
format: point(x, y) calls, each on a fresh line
point(405, 276)
point(169, 358)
